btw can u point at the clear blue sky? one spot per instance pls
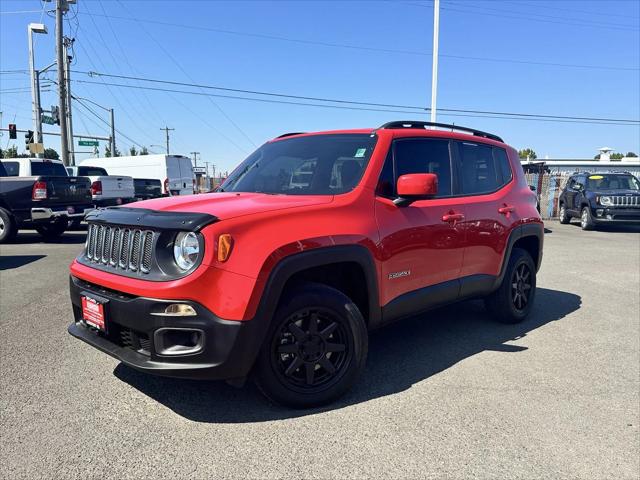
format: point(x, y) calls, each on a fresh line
point(586, 33)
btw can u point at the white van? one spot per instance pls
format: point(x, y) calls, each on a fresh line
point(174, 171)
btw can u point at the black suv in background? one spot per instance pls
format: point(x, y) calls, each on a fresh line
point(601, 198)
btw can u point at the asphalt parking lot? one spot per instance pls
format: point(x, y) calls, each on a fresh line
point(447, 395)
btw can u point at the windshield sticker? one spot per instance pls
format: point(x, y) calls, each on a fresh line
point(360, 153)
point(596, 177)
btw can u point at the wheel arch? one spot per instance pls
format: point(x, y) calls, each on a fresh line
point(529, 237)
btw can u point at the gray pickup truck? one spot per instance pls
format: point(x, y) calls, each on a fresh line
point(37, 193)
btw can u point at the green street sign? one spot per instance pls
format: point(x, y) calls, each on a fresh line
point(48, 120)
point(88, 143)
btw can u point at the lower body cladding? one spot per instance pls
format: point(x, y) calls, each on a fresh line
point(171, 338)
point(606, 215)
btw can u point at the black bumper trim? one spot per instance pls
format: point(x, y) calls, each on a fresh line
point(228, 348)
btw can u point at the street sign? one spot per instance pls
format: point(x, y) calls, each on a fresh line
point(201, 170)
point(36, 147)
point(88, 143)
point(48, 120)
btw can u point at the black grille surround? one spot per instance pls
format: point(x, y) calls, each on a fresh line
point(138, 243)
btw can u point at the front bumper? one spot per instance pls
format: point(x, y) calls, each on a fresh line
point(615, 215)
point(132, 325)
point(51, 214)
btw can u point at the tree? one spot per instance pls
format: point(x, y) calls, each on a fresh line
point(527, 153)
point(11, 152)
point(107, 151)
point(144, 151)
point(616, 156)
point(51, 154)
point(132, 151)
point(631, 155)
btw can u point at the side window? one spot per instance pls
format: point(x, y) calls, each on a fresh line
point(424, 156)
point(479, 171)
point(12, 168)
point(502, 164)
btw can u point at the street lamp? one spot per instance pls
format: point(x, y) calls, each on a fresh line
point(35, 87)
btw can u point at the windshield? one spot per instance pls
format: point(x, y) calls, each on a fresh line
point(48, 169)
point(612, 182)
point(313, 165)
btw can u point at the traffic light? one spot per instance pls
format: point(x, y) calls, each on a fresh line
point(28, 137)
point(12, 131)
point(55, 114)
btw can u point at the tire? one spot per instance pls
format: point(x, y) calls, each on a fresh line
point(564, 216)
point(513, 300)
point(8, 227)
point(586, 220)
point(314, 350)
point(52, 231)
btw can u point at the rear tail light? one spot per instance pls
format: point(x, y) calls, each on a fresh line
point(39, 191)
point(96, 188)
point(166, 186)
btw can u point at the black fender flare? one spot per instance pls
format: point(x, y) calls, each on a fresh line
point(527, 230)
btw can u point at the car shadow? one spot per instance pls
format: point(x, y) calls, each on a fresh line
point(612, 228)
point(34, 237)
point(10, 262)
point(400, 355)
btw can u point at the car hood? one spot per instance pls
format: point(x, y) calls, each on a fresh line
point(229, 205)
point(618, 192)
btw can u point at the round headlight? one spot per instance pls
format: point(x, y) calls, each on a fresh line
point(606, 201)
point(186, 250)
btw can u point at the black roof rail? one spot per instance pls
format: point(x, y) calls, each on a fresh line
point(420, 124)
point(290, 133)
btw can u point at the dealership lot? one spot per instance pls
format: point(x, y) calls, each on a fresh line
point(446, 395)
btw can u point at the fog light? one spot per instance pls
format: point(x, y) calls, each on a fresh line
point(599, 212)
point(178, 310)
point(178, 341)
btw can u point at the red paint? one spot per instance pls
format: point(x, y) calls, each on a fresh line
point(436, 239)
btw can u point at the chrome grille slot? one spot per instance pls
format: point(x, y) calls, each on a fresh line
point(120, 247)
point(626, 201)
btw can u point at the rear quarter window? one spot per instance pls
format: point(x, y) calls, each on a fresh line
point(48, 169)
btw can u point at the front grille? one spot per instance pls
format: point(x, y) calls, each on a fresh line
point(121, 248)
point(626, 201)
point(137, 341)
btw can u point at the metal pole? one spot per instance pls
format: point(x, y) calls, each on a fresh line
point(38, 125)
point(64, 142)
point(113, 134)
point(434, 73)
point(69, 120)
point(35, 102)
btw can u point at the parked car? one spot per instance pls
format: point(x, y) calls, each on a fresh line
point(601, 199)
point(147, 188)
point(106, 190)
point(38, 193)
point(175, 172)
point(282, 274)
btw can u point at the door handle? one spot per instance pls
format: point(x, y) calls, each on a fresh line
point(505, 209)
point(452, 217)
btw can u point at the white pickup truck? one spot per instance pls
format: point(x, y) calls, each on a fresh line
point(106, 190)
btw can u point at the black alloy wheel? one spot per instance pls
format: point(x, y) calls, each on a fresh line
point(521, 286)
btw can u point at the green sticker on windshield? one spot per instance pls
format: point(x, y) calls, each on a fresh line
point(360, 153)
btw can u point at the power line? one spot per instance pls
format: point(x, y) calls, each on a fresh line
point(417, 110)
point(361, 47)
point(344, 101)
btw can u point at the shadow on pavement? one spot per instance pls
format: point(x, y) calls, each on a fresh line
point(613, 228)
point(400, 355)
point(34, 237)
point(9, 262)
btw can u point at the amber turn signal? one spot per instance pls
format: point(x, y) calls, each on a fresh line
point(225, 243)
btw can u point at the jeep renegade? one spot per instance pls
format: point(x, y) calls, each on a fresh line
point(313, 240)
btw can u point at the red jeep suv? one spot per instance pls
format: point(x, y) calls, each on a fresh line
point(313, 240)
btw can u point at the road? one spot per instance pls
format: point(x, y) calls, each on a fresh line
point(447, 395)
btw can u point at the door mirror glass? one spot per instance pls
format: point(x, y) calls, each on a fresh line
point(416, 186)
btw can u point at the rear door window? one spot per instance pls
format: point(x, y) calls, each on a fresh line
point(482, 168)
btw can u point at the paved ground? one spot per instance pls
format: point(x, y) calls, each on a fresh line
point(447, 395)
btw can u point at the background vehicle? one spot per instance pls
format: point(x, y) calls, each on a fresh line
point(175, 172)
point(601, 198)
point(38, 193)
point(147, 188)
point(106, 190)
point(282, 274)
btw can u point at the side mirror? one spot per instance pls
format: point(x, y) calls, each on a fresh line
point(416, 186)
point(579, 187)
point(533, 189)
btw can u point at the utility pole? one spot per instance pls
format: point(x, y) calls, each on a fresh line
point(167, 130)
point(113, 134)
point(434, 72)
point(195, 158)
point(61, 8)
point(68, 42)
